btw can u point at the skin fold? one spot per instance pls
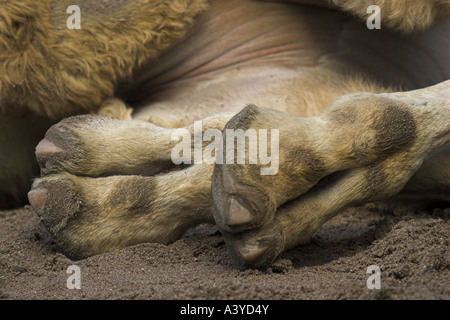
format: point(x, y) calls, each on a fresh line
point(362, 115)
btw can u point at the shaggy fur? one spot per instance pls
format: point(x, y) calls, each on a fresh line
point(403, 15)
point(48, 72)
point(57, 72)
point(106, 183)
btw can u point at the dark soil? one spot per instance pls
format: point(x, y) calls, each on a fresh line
point(412, 252)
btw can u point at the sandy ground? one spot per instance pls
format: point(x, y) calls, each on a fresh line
point(412, 252)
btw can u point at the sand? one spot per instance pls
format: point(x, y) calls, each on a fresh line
point(412, 252)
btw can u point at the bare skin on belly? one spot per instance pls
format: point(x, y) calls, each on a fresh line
point(320, 77)
point(278, 56)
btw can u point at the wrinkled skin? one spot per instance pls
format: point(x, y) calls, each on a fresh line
point(347, 134)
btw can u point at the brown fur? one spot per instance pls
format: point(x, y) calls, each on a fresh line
point(57, 72)
point(402, 15)
point(50, 72)
point(107, 183)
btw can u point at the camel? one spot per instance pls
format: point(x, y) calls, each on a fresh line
point(359, 115)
